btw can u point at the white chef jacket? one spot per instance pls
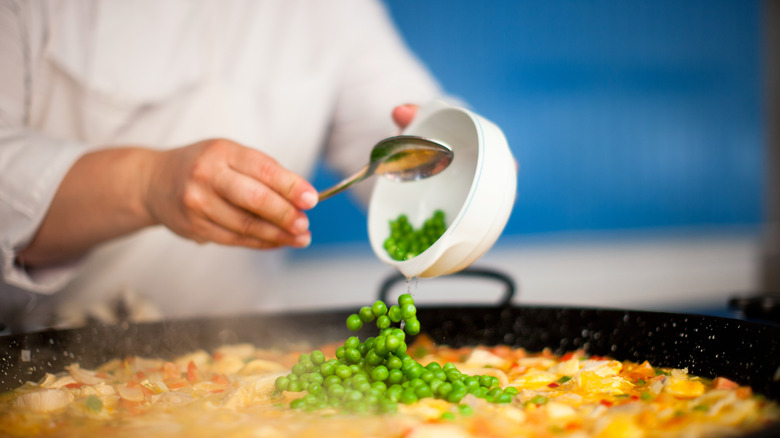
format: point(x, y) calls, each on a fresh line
point(297, 79)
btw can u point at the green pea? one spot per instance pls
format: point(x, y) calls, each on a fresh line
point(423, 391)
point(454, 375)
point(362, 387)
point(315, 389)
point(414, 371)
point(395, 376)
point(379, 308)
point(412, 326)
point(336, 391)
point(395, 314)
point(366, 314)
point(465, 410)
point(503, 398)
point(380, 373)
point(383, 322)
point(485, 381)
point(343, 371)
point(352, 342)
point(298, 369)
point(480, 392)
point(456, 395)
point(388, 406)
point(352, 355)
point(401, 350)
point(408, 397)
point(408, 311)
point(394, 392)
point(415, 382)
point(495, 392)
point(372, 358)
point(433, 366)
point(405, 299)
point(331, 380)
point(380, 346)
point(354, 322)
point(282, 383)
point(447, 416)
point(317, 357)
point(327, 369)
point(393, 362)
point(444, 389)
point(93, 403)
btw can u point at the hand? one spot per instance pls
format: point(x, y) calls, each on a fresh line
point(403, 114)
point(220, 191)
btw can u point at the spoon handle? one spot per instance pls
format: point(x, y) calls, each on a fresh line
point(344, 184)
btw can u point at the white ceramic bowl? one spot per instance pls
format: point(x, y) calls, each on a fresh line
point(476, 193)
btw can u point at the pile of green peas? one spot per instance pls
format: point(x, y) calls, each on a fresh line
point(405, 242)
point(373, 376)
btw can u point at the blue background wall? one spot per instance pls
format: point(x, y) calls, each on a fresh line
point(623, 114)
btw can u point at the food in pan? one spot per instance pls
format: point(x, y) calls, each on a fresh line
point(405, 242)
point(347, 390)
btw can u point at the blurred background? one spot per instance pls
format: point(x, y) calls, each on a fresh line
point(640, 131)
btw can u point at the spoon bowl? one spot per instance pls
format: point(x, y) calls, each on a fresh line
point(400, 158)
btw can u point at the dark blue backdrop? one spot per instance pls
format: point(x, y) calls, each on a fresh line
point(623, 114)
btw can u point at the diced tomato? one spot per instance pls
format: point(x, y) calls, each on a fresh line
point(643, 371)
point(192, 372)
point(567, 356)
point(481, 427)
point(170, 370)
point(221, 379)
point(723, 383)
point(744, 392)
point(573, 425)
point(132, 407)
point(502, 351)
point(175, 382)
point(607, 403)
point(553, 385)
point(75, 385)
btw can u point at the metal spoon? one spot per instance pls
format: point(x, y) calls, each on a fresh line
point(400, 158)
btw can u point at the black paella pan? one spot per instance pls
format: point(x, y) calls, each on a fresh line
point(746, 352)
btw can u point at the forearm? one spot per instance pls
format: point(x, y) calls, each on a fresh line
point(100, 198)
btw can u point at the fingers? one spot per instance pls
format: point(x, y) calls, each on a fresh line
point(286, 183)
point(241, 227)
point(211, 232)
point(403, 114)
point(260, 199)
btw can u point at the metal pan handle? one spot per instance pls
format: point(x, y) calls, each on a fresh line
point(509, 283)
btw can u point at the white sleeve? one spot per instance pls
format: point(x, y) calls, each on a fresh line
point(32, 165)
point(380, 74)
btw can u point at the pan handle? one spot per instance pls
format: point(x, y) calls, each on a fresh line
point(509, 283)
